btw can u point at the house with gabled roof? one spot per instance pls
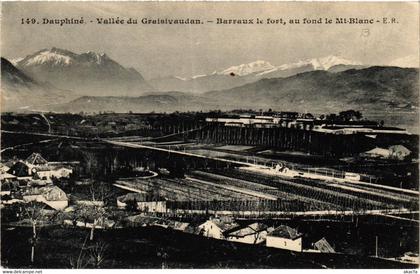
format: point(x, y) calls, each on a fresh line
point(217, 228)
point(6, 177)
point(21, 170)
point(376, 152)
point(395, 152)
point(52, 196)
point(36, 159)
point(285, 237)
point(181, 226)
point(35, 166)
point(255, 233)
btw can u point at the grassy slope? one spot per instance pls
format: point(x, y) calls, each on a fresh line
point(140, 248)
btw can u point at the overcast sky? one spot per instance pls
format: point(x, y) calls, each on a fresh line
point(186, 50)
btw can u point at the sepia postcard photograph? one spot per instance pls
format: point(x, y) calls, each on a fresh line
point(209, 135)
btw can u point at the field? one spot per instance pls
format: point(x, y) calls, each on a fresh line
point(154, 247)
point(349, 197)
point(247, 190)
point(201, 187)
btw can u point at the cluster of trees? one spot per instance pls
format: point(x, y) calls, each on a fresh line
point(343, 116)
point(92, 254)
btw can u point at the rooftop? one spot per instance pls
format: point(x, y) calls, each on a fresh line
point(224, 226)
point(286, 232)
point(50, 193)
point(36, 159)
point(249, 230)
point(323, 246)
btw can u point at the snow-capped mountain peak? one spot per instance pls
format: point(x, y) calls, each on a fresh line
point(61, 57)
point(325, 63)
point(246, 69)
point(322, 63)
point(90, 71)
point(261, 68)
point(52, 56)
point(198, 76)
point(181, 78)
point(16, 60)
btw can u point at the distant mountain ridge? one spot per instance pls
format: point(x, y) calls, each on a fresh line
point(265, 68)
point(328, 84)
point(87, 73)
point(242, 74)
point(165, 102)
point(373, 88)
point(246, 69)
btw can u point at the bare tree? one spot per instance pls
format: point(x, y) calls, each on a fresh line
point(97, 253)
point(99, 194)
point(98, 214)
point(81, 213)
point(153, 192)
point(74, 217)
point(80, 261)
point(34, 211)
point(91, 162)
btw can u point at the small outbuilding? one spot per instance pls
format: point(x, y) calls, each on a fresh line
point(377, 152)
point(399, 152)
point(396, 152)
point(323, 246)
point(255, 233)
point(285, 237)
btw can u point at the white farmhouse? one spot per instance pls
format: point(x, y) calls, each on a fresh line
point(52, 196)
point(28, 170)
point(376, 153)
point(285, 237)
point(396, 152)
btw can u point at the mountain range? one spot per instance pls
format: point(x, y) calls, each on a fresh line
point(157, 102)
point(87, 73)
point(63, 81)
point(370, 89)
point(239, 75)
